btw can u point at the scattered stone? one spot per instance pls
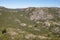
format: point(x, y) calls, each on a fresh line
point(12, 31)
point(23, 24)
point(37, 22)
point(21, 15)
point(55, 29)
point(30, 25)
point(50, 16)
point(42, 37)
point(12, 37)
point(29, 36)
point(20, 31)
point(17, 20)
point(36, 29)
point(47, 23)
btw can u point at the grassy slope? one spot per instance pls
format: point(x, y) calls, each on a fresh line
point(7, 21)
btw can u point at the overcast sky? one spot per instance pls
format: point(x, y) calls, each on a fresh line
point(29, 3)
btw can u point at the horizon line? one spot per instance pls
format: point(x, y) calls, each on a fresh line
point(32, 7)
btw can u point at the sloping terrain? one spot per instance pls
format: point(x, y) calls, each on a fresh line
point(30, 23)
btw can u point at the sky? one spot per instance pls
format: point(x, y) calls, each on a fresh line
point(29, 3)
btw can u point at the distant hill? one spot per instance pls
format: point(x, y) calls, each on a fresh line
point(31, 23)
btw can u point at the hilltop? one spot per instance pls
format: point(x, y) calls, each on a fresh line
point(32, 23)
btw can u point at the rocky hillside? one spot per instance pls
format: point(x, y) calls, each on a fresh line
point(30, 23)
